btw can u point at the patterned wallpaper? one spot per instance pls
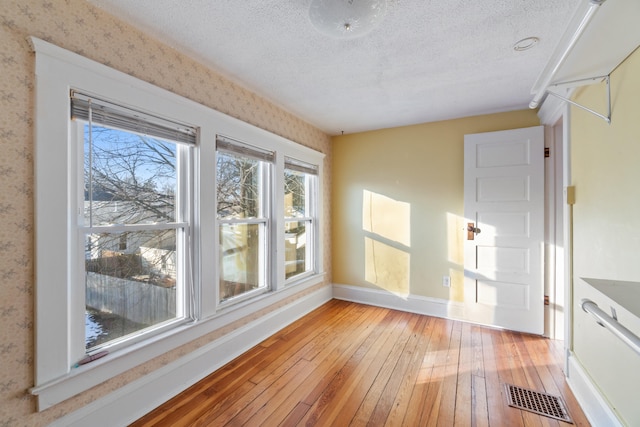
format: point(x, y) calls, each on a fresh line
point(84, 29)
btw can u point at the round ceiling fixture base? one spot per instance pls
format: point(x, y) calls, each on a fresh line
point(346, 19)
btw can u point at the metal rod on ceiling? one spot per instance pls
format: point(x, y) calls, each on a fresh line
point(606, 118)
point(562, 57)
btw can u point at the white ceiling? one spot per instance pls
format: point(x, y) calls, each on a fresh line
point(428, 61)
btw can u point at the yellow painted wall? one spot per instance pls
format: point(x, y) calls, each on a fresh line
point(606, 173)
point(397, 204)
point(82, 28)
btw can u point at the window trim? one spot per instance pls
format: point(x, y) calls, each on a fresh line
point(57, 71)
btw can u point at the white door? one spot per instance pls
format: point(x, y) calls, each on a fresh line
point(504, 217)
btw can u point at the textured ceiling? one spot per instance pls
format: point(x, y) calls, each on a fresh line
point(427, 61)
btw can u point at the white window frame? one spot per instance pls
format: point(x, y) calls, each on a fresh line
point(311, 208)
point(55, 158)
point(183, 226)
point(265, 220)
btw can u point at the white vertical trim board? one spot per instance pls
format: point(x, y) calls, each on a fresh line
point(594, 405)
point(139, 397)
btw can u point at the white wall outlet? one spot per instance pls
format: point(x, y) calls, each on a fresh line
point(446, 281)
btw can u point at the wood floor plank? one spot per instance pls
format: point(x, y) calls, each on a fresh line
point(493, 383)
point(437, 356)
point(359, 377)
point(331, 366)
point(479, 400)
point(335, 386)
point(446, 413)
point(267, 402)
point(550, 367)
point(347, 364)
point(519, 375)
point(269, 372)
point(328, 363)
point(376, 405)
point(400, 405)
point(464, 389)
point(479, 406)
point(512, 417)
point(419, 384)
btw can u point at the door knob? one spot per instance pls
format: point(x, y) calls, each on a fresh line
point(472, 230)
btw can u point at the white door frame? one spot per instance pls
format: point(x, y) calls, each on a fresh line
point(555, 116)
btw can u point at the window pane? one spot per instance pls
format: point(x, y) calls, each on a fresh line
point(239, 183)
point(130, 281)
point(295, 205)
point(242, 263)
point(297, 248)
point(129, 178)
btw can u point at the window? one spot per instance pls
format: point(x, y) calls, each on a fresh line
point(243, 211)
point(152, 229)
point(299, 212)
point(135, 220)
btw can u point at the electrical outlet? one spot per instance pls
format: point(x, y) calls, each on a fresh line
point(446, 281)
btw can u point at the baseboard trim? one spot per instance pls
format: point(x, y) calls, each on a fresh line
point(137, 398)
point(410, 303)
point(594, 405)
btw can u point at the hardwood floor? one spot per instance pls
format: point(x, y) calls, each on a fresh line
point(352, 364)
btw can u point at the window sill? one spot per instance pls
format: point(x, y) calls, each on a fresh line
point(87, 376)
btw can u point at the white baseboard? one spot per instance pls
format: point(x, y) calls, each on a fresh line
point(595, 407)
point(410, 303)
point(137, 398)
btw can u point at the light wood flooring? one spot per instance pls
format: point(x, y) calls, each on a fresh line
point(352, 364)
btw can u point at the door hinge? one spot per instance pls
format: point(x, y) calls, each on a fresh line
point(546, 300)
point(547, 152)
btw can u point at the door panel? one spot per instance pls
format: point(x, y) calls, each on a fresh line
point(492, 260)
point(502, 294)
point(506, 224)
point(504, 200)
point(503, 189)
point(493, 155)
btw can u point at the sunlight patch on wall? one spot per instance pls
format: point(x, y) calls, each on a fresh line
point(387, 226)
point(386, 266)
point(455, 236)
point(386, 217)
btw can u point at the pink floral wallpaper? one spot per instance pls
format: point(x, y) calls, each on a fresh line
point(77, 26)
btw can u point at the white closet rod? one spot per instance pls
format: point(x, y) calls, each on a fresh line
point(561, 57)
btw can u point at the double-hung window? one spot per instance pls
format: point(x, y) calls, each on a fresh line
point(243, 177)
point(133, 219)
point(300, 195)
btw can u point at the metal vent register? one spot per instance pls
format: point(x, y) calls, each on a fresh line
point(536, 402)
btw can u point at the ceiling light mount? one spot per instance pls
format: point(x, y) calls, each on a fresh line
point(525, 44)
point(346, 19)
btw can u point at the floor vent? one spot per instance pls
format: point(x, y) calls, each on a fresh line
point(536, 402)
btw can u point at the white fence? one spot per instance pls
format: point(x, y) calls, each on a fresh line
point(138, 302)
